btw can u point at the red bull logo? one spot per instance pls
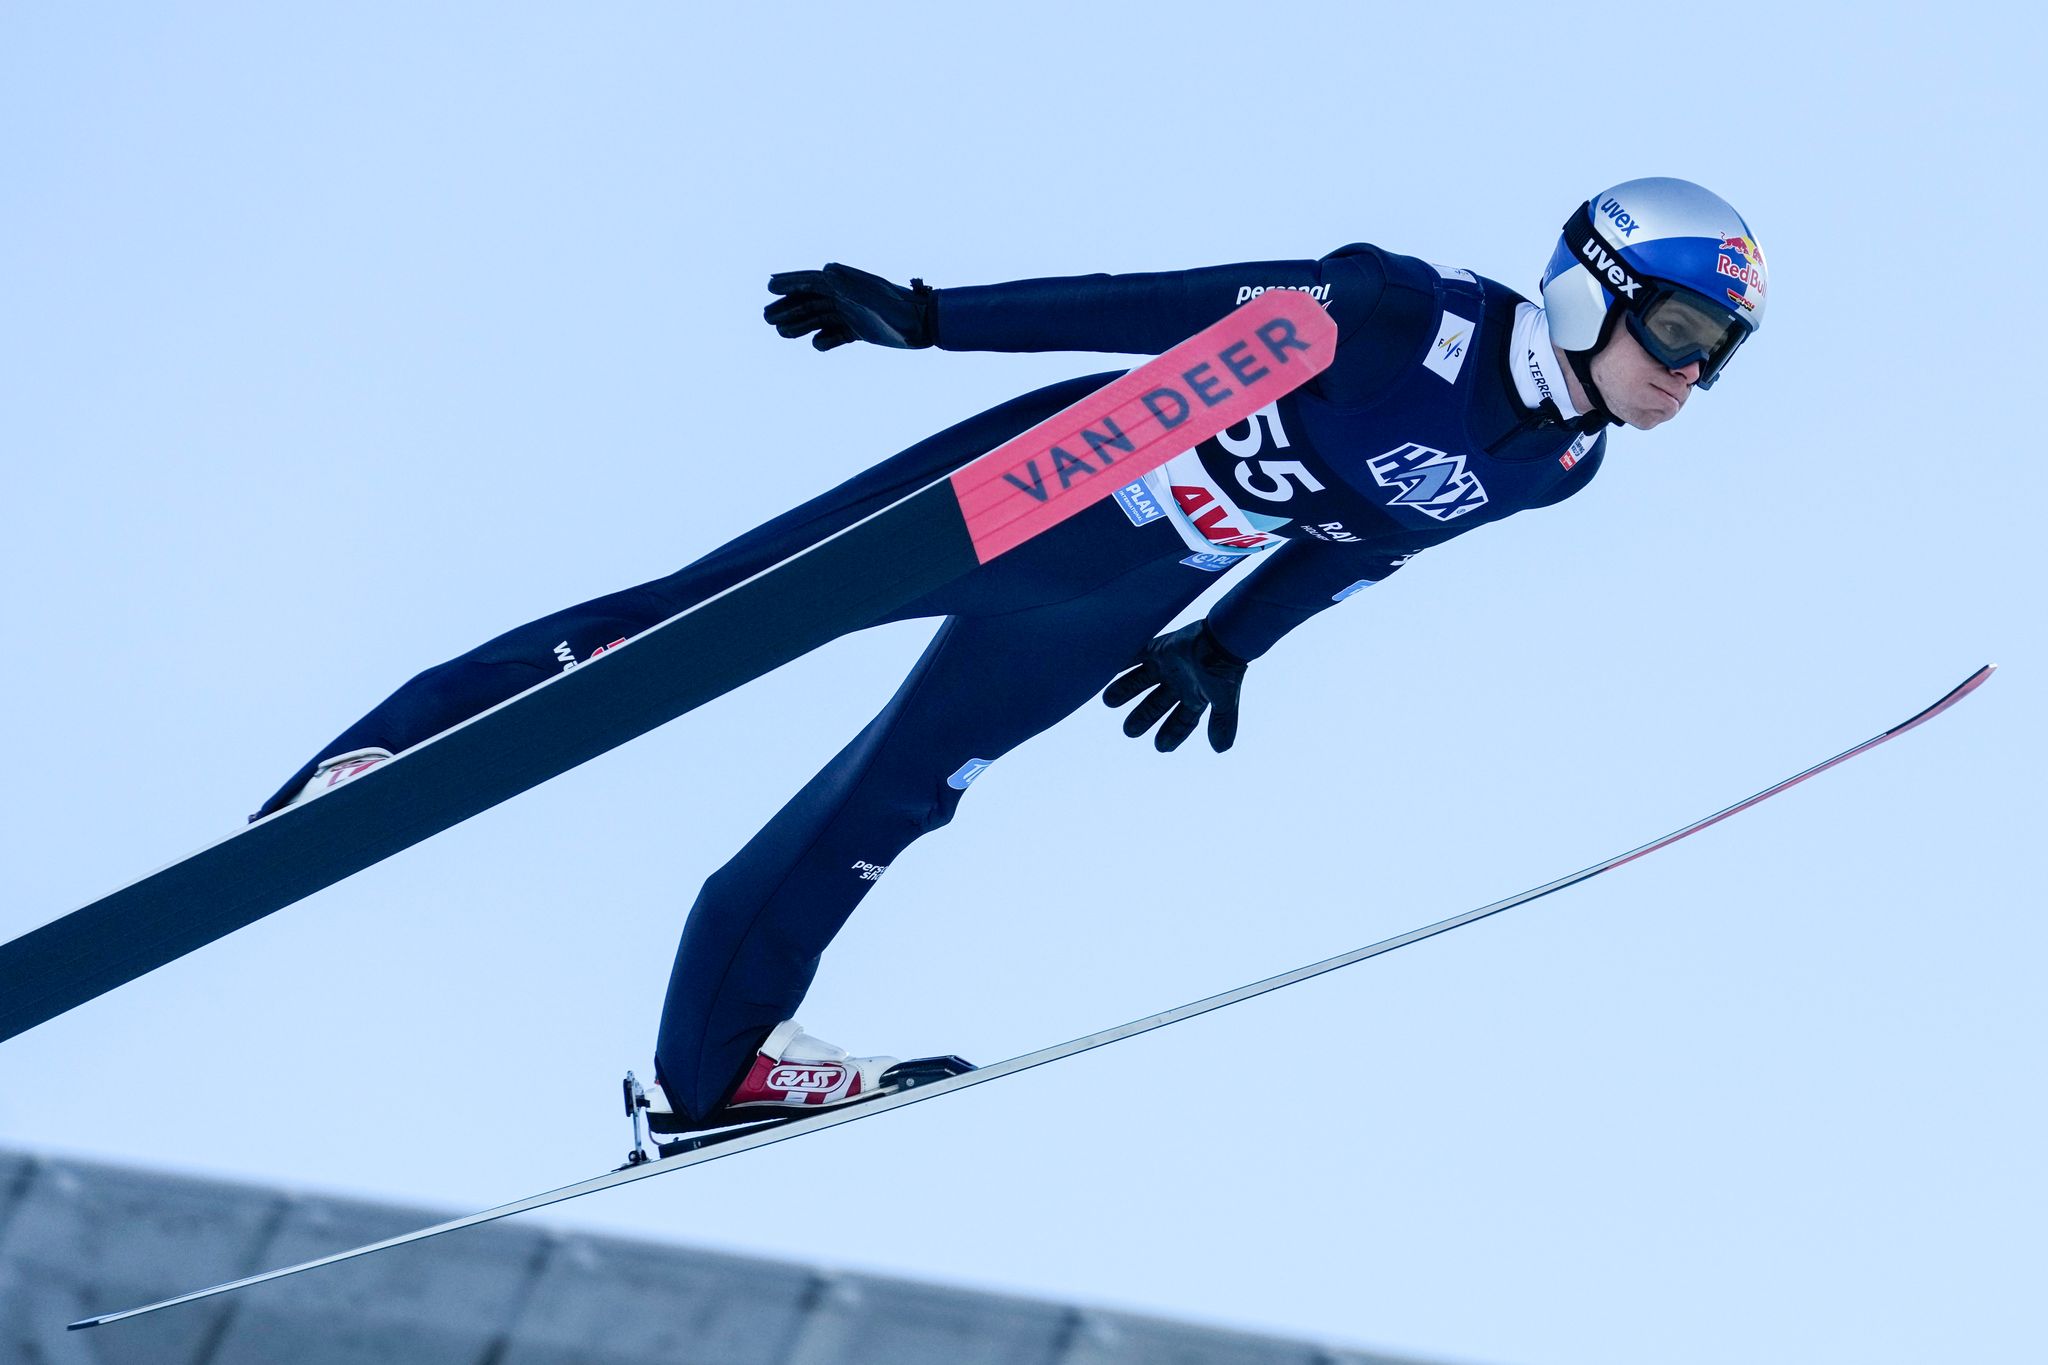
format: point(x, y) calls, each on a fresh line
point(1743, 260)
point(1744, 247)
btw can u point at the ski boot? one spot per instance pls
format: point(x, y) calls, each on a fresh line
point(793, 1074)
point(333, 772)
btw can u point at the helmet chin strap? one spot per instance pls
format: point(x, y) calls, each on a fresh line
point(1597, 414)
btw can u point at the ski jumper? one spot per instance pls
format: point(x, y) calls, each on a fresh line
point(1443, 410)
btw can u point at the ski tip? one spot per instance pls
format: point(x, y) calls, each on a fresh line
point(1954, 695)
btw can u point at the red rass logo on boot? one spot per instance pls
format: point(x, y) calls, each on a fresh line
point(813, 1078)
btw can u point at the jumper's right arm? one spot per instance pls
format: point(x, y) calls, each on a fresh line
point(1139, 314)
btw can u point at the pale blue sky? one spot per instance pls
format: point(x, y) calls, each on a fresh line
point(331, 345)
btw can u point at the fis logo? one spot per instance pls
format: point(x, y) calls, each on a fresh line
point(809, 1078)
point(1447, 353)
point(1433, 482)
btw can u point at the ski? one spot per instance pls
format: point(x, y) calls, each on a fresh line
point(925, 1083)
point(854, 576)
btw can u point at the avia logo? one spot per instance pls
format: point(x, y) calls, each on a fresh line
point(813, 1078)
point(1433, 482)
point(1596, 254)
point(1214, 519)
point(1619, 216)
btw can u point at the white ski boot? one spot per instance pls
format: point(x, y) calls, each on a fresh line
point(793, 1074)
point(334, 772)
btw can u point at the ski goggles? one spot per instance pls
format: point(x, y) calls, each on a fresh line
point(1679, 327)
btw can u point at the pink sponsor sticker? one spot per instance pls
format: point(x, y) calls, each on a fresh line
point(1215, 379)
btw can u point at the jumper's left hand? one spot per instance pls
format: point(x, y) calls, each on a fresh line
point(1188, 673)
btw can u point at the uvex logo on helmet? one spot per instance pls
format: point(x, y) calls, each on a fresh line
point(1608, 265)
point(1624, 222)
point(817, 1077)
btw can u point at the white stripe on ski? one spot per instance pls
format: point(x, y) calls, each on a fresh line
point(882, 1103)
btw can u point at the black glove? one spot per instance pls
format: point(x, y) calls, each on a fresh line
point(842, 304)
point(1189, 673)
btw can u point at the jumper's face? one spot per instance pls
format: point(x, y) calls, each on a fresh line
point(1637, 387)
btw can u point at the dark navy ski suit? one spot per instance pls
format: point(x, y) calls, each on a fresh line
point(1430, 421)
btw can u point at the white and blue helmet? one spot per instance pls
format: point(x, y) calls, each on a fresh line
point(1674, 261)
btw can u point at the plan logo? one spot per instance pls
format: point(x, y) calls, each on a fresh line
point(1433, 482)
point(1138, 503)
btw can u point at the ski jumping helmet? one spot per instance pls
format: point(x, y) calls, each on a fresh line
point(1673, 261)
